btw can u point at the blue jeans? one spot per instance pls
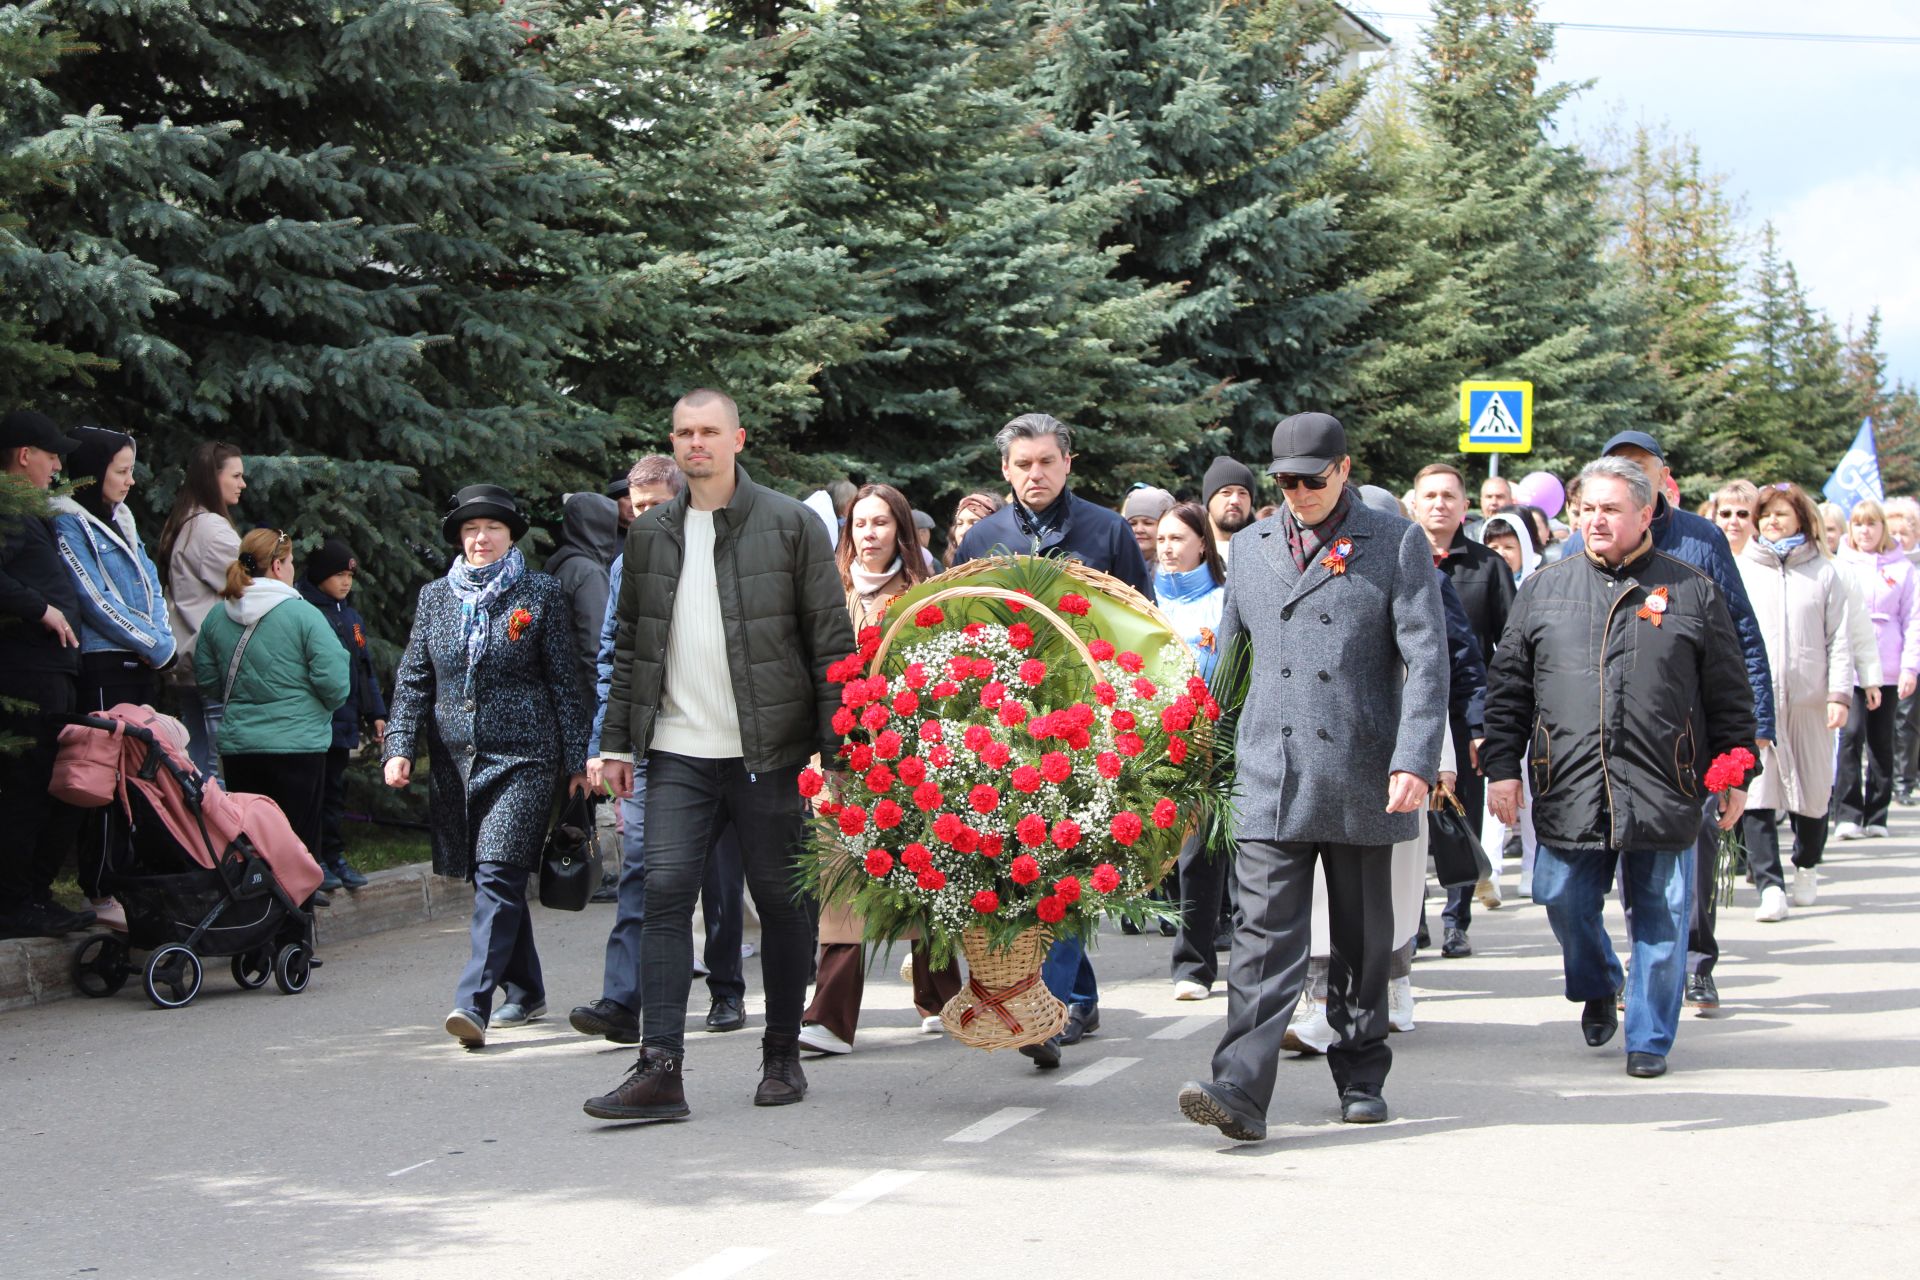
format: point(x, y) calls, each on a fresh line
point(1069, 974)
point(1656, 886)
point(202, 717)
point(503, 953)
point(721, 908)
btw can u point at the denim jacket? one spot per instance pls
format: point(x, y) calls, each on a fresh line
point(122, 607)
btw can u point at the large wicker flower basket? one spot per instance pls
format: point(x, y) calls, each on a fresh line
point(1005, 1004)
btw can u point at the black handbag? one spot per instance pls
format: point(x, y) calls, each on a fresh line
point(1458, 858)
point(570, 864)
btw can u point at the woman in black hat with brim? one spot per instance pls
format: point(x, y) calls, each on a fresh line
point(488, 680)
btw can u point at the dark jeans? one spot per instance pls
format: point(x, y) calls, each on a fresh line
point(689, 801)
point(333, 808)
point(1471, 788)
point(106, 680)
point(294, 780)
point(502, 932)
point(1906, 745)
point(1069, 974)
point(1198, 889)
point(1761, 828)
point(1872, 731)
point(1269, 965)
point(34, 847)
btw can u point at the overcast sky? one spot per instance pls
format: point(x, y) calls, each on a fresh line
point(1818, 138)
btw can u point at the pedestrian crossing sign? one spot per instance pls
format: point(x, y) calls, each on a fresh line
point(1498, 417)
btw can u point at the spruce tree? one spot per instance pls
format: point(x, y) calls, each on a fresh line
point(1796, 414)
point(1896, 428)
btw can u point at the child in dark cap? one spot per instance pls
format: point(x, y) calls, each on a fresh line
point(327, 583)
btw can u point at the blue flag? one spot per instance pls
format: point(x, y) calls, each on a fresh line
point(1858, 475)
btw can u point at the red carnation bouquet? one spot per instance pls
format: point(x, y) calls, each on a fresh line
point(1009, 761)
point(1728, 772)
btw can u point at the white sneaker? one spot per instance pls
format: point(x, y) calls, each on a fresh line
point(1877, 831)
point(1400, 1004)
point(1806, 886)
point(931, 1025)
point(1185, 990)
point(1309, 1032)
point(1773, 905)
point(1848, 831)
point(1487, 892)
point(817, 1038)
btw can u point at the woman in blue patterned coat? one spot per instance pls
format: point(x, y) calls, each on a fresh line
point(488, 679)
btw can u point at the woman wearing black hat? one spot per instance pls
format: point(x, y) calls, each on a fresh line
point(124, 635)
point(327, 584)
point(488, 680)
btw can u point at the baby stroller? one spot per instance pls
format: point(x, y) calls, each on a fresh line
point(201, 872)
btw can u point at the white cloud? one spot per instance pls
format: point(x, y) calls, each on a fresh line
point(1856, 244)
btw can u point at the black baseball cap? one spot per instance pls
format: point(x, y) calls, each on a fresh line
point(1307, 444)
point(24, 428)
point(1636, 439)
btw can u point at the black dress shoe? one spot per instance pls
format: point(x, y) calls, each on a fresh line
point(1129, 928)
point(1701, 993)
point(1168, 929)
point(1045, 1055)
point(1081, 1019)
point(729, 1013)
point(1646, 1065)
point(606, 1018)
point(1225, 1108)
point(1599, 1020)
point(1360, 1107)
point(1456, 945)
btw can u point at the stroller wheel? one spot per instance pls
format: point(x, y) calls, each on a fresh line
point(293, 968)
point(252, 969)
point(173, 976)
point(100, 965)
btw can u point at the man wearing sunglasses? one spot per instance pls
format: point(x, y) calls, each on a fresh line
point(1339, 610)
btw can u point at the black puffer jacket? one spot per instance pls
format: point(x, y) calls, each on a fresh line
point(784, 611)
point(1602, 705)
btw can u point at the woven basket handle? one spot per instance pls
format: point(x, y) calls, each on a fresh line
point(987, 593)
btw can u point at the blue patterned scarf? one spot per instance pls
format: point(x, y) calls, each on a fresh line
point(478, 590)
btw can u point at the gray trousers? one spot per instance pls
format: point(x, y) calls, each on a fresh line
point(1269, 965)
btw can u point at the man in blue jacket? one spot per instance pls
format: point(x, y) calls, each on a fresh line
point(1046, 519)
point(1698, 542)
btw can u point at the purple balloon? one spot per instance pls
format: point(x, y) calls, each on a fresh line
point(1543, 490)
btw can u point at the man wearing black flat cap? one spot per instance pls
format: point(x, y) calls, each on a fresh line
point(1227, 493)
point(39, 663)
point(620, 489)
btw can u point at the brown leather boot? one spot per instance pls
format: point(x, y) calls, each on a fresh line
point(782, 1082)
point(651, 1091)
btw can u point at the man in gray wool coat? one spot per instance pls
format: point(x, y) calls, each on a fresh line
point(1346, 704)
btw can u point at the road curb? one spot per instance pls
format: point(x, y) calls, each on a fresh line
point(34, 971)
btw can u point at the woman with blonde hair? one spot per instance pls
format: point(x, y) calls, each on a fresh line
point(1734, 507)
point(1886, 582)
point(1802, 605)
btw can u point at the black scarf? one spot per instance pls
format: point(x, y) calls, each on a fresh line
point(1039, 524)
point(1305, 543)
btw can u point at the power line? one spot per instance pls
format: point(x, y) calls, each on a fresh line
point(1721, 33)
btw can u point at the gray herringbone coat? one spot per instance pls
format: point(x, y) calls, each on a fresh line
point(1349, 681)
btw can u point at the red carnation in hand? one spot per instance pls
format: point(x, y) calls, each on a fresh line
point(926, 797)
point(1164, 814)
point(1031, 831)
point(1104, 694)
point(1024, 870)
point(1050, 910)
point(1108, 764)
point(916, 857)
point(853, 820)
point(986, 902)
point(992, 694)
point(828, 808)
point(1020, 636)
point(1100, 649)
point(843, 722)
point(1012, 714)
point(1126, 827)
point(875, 717)
point(912, 771)
point(945, 689)
point(929, 616)
point(992, 846)
point(915, 675)
point(1106, 878)
point(860, 757)
point(1066, 833)
point(1177, 749)
point(930, 731)
point(996, 755)
point(976, 737)
point(1124, 720)
point(812, 782)
point(983, 799)
point(932, 878)
point(1033, 671)
point(1144, 688)
point(946, 827)
point(887, 746)
point(879, 779)
point(1129, 744)
point(906, 702)
point(1077, 605)
point(1068, 888)
point(1131, 662)
point(887, 815)
point(1055, 767)
point(879, 862)
point(1025, 779)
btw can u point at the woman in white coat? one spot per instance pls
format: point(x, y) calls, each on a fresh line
point(1802, 605)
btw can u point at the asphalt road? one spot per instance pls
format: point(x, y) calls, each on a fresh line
point(341, 1133)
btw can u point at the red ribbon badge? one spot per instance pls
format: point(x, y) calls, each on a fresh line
point(517, 623)
point(1656, 606)
point(1336, 558)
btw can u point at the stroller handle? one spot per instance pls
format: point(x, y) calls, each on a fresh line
point(157, 757)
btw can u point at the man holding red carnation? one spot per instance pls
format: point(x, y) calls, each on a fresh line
point(1613, 759)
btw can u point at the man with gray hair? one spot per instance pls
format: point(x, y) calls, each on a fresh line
point(1616, 761)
